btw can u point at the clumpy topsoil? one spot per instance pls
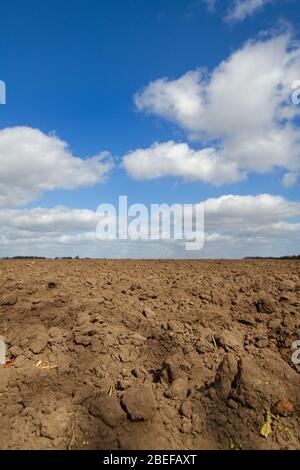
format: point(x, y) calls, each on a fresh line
point(149, 354)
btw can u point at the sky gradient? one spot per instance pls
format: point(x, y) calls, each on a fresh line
point(168, 101)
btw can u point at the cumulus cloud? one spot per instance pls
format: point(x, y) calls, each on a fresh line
point(242, 108)
point(180, 100)
point(235, 226)
point(32, 162)
point(233, 211)
point(262, 225)
point(58, 219)
point(241, 9)
point(178, 159)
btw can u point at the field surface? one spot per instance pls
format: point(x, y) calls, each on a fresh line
point(149, 354)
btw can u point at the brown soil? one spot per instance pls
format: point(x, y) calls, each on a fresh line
point(149, 354)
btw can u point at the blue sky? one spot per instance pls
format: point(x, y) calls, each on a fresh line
point(82, 70)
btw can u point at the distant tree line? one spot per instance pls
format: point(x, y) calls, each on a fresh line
point(42, 257)
point(274, 257)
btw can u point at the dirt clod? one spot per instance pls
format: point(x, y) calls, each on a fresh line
point(140, 403)
point(226, 375)
point(177, 390)
point(108, 409)
point(284, 407)
point(8, 299)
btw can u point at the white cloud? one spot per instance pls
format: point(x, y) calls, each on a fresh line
point(241, 9)
point(58, 219)
point(232, 212)
point(238, 10)
point(235, 226)
point(178, 159)
point(32, 162)
point(180, 101)
point(210, 4)
point(263, 225)
point(243, 105)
